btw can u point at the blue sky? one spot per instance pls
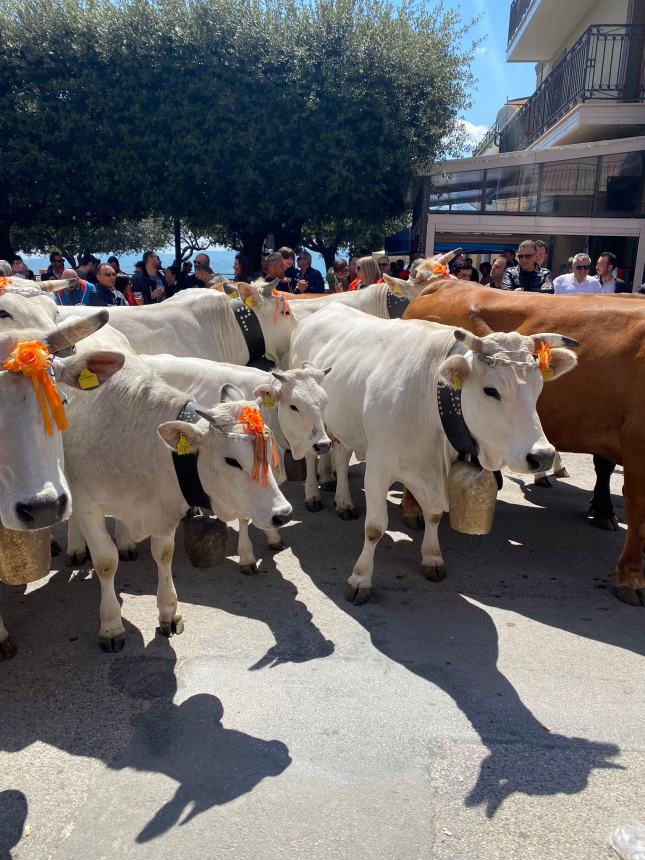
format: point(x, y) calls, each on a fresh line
point(497, 79)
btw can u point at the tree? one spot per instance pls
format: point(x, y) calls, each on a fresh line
point(240, 118)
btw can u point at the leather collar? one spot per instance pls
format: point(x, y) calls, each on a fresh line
point(252, 334)
point(186, 466)
point(452, 419)
point(396, 305)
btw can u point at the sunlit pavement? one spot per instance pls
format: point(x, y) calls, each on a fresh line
point(498, 714)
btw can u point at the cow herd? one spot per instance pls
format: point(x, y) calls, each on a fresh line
point(162, 412)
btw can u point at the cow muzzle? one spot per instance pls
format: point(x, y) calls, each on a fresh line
point(322, 447)
point(281, 516)
point(542, 460)
point(41, 513)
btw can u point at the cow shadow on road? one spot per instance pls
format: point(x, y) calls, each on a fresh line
point(13, 813)
point(121, 709)
point(441, 636)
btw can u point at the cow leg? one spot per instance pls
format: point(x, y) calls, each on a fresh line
point(601, 510)
point(126, 546)
point(170, 620)
point(274, 540)
point(432, 563)
point(344, 505)
point(412, 513)
point(559, 469)
point(312, 493)
point(326, 477)
point(359, 584)
point(105, 560)
point(248, 564)
point(76, 547)
point(7, 648)
point(630, 583)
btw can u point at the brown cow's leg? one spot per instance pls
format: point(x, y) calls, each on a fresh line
point(630, 584)
point(412, 513)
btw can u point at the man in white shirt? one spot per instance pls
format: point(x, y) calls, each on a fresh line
point(579, 281)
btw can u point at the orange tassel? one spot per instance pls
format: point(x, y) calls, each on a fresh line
point(254, 423)
point(4, 282)
point(32, 359)
point(544, 357)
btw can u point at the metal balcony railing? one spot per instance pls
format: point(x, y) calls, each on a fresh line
point(519, 8)
point(605, 63)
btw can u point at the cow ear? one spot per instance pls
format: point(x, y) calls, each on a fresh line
point(88, 371)
point(229, 392)
point(250, 295)
point(400, 287)
point(562, 361)
point(267, 394)
point(455, 371)
point(181, 436)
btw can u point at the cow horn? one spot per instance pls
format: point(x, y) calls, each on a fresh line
point(551, 339)
point(230, 288)
point(71, 330)
point(449, 256)
point(474, 343)
point(57, 285)
point(267, 289)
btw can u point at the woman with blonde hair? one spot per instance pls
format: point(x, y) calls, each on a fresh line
point(368, 273)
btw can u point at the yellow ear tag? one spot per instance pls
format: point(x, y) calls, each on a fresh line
point(456, 381)
point(396, 290)
point(87, 379)
point(248, 302)
point(183, 445)
point(268, 401)
point(547, 373)
point(234, 295)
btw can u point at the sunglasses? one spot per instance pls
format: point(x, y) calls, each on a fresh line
point(525, 256)
point(109, 274)
point(583, 267)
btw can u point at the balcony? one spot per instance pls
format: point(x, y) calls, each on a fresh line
point(537, 28)
point(605, 64)
point(519, 8)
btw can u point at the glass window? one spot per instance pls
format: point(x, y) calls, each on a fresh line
point(620, 184)
point(456, 192)
point(568, 186)
point(512, 189)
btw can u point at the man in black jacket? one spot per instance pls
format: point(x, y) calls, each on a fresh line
point(527, 275)
point(605, 267)
point(149, 283)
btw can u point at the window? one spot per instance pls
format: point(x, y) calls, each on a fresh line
point(456, 192)
point(511, 189)
point(568, 187)
point(620, 184)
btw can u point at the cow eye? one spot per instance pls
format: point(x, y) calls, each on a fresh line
point(232, 462)
point(492, 392)
point(293, 408)
point(5, 315)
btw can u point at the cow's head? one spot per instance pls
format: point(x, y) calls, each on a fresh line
point(26, 306)
point(33, 490)
point(228, 464)
point(409, 289)
point(273, 315)
point(301, 403)
point(425, 272)
point(500, 380)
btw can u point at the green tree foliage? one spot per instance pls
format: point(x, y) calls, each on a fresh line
point(253, 115)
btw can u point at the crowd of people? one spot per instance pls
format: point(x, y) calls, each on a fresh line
point(105, 284)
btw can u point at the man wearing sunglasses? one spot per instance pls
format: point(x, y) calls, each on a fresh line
point(578, 280)
point(527, 275)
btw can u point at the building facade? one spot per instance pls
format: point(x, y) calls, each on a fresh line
point(566, 164)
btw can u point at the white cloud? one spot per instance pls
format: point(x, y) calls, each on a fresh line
point(481, 51)
point(473, 131)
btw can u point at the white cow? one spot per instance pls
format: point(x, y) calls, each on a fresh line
point(134, 478)
point(383, 405)
point(34, 492)
point(294, 412)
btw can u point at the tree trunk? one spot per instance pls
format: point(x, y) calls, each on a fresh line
point(289, 235)
point(328, 252)
point(177, 230)
point(252, 246)
point(6, 251)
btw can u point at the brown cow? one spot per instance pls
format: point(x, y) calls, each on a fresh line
point(598, 408)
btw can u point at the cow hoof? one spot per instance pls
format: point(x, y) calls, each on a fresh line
point(348, 514)
point(435, 572)
point(357, 596)
point(313, 505)
point(414, 521)
point(561, 473)
point(77, 559)
point(277, 547)
point(54, 546)
point(328, 486)
point(249, 569)
point(542, 482)
point(112, 644)
point(630, 596)
point(128, 554)
point(170, 628)
point(7, 649)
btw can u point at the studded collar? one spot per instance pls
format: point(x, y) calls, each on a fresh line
point(186, 466)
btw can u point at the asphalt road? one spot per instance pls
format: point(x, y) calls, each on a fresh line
point(495, 715)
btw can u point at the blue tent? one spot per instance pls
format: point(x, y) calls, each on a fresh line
point(398, 244)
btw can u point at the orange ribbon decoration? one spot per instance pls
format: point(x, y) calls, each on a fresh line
point(32, 359)
point(4, 283)
point(279, 295)
point(439, 269)
point(544, 360)
point(254, 423)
